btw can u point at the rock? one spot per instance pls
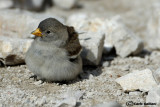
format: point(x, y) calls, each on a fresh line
point(71, 93)
point(13, 49)
point(137, 80)
point(153, 28)
point(106, 64)
point(21, 28)
point(87, 23)
point(5, 4)
point(116, 33)
point(108, 104)
point(66, 4)
point(68, 102)
point(153, 97)
point(92, 37)
point(42, 101)
point(92, 44)
point(122, 38)
point(38, 83)
point(156, 75)
point(135, 93)
point(119, 92)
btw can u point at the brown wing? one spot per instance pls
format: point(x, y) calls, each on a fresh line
point(73, 45)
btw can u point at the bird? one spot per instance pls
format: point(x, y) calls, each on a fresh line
point(54, 55)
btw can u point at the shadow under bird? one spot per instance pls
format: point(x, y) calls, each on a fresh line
point(55, 52)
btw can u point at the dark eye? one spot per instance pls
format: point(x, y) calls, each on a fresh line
point(48, 32)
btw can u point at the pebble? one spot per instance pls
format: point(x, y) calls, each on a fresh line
point(1, 78)
point(106, 64)
point(137, 80)
point(135, 93)
point(156, 75)
point(68, 102)
point(154, 97)
point(38, 83)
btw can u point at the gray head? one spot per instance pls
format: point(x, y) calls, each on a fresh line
point(51, 30)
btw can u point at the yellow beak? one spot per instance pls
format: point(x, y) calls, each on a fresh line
point(37, 32)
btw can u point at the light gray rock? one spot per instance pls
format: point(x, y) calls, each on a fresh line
point(92, 37)
point(71, 93)
point(153, 97)
point(153, 28)
point(5, 4)
point(41, 101)
point(122, 38)
point(92, 48)
point(142, 80)
point(66, 4)
point(135, 93)
point(108, 104)
point(89, 23)
point(86, 23)
point(38, 83)
point(15, 23)
point(68, 102)
point(13, 49)
point(116, 33)
point(106, 64)
point(156, 75)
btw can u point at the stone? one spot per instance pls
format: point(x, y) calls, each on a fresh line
point(88, 23)
point(92, 44)
point(42, 101)
point(137, 80)
point(153, 97)
point(122, 38)
point(108, 104)
point(5, 4)
point(106, 64)
point(156, 75)
point(38, 83)
point(116, 33)
point(135, 93)
point(91, 37)
point(66, 4)
point(68, 102)
point(153, 27)
point(26, 23)
point(85, 23)
point(71, 93)
point(13, 49)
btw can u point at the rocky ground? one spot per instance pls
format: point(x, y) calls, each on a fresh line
point(110, 78)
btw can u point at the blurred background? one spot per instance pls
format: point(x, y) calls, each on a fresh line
point(141, 16)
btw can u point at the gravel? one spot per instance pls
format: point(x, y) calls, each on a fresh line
point(97, 84)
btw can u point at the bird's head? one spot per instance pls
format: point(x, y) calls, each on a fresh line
point(51, 30)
